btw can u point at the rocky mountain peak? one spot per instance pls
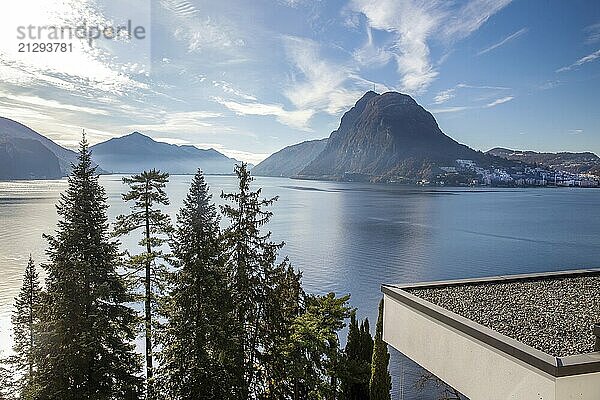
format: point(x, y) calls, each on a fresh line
point(387, 137)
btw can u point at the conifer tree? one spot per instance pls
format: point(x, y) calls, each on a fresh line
point(284, 296)
point(7, 389)
point(381, 381)
point(194, 360)
point(25, 320)
point(249, 252)
point(86, 333)
point(351, 355)
point(258, 284)
point(357, 360)
point(366, 342)
point(148, 194)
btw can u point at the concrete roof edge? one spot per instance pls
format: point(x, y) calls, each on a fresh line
point(555, 366)
point(497, 279)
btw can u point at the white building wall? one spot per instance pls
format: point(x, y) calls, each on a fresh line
point(476, 369)
point(578, 387)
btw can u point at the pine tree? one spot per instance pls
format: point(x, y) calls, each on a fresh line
point(381, 381)
point(25, 320)
point(86, 332)
point(147, 193)
point(194, 360)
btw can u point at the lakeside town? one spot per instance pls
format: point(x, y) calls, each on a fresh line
point(468, 173)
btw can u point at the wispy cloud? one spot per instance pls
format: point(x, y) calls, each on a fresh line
point(583, 60)
point(469, 17)
point(444, 96)
point(205, 35)
point(108, 67)
point(292, 3)
point(593, 33)
point(464, 85)
point(180, 122)
point(199, 31)
point(181, 8)
point(227, 88)
point(575, 131)
point(507, 39)
point(317, 84)
point(448, 94)
point(416, 23)
point(452, 109)
point(35, 101)
point(413, 23)
point(499, 101)
point(370, 54)
point(551, 84)
point(102, 87)
point(297, 119)
point(449, 109)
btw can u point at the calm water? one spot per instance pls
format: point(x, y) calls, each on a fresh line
point(351, 238)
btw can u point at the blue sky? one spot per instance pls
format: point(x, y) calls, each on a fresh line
point(249, 78)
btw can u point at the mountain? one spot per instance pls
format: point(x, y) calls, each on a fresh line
point(290, 160)
point(135, 152)
point(389, 138)
point(578, 163)
point(27, 159)
point(10, 130)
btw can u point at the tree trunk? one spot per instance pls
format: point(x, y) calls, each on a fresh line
point(148, 310)
point(30, 355)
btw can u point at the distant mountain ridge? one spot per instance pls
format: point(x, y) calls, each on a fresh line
point(577, 163)
point(11, 130)
point(26, 154)
point(290, 160)
point(27, 159)
point(136, 152)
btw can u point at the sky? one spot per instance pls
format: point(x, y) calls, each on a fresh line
point(251, 77)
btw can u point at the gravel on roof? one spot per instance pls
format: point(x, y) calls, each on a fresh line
point(554, 315)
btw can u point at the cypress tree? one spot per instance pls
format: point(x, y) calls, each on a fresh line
point(194, 360)
point(357, 361)
point(147, 193)
point(25, 319)
point(349, 378)
point(381, 381)
point(366, 348)
point(86, 334)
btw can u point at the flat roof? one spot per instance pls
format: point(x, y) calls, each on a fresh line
point(545, 319)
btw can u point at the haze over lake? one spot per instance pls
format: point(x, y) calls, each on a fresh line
point(351, 238)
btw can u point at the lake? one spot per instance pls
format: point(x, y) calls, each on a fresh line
point(351, 237)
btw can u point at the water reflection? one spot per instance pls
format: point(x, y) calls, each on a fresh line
point(351, 238)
